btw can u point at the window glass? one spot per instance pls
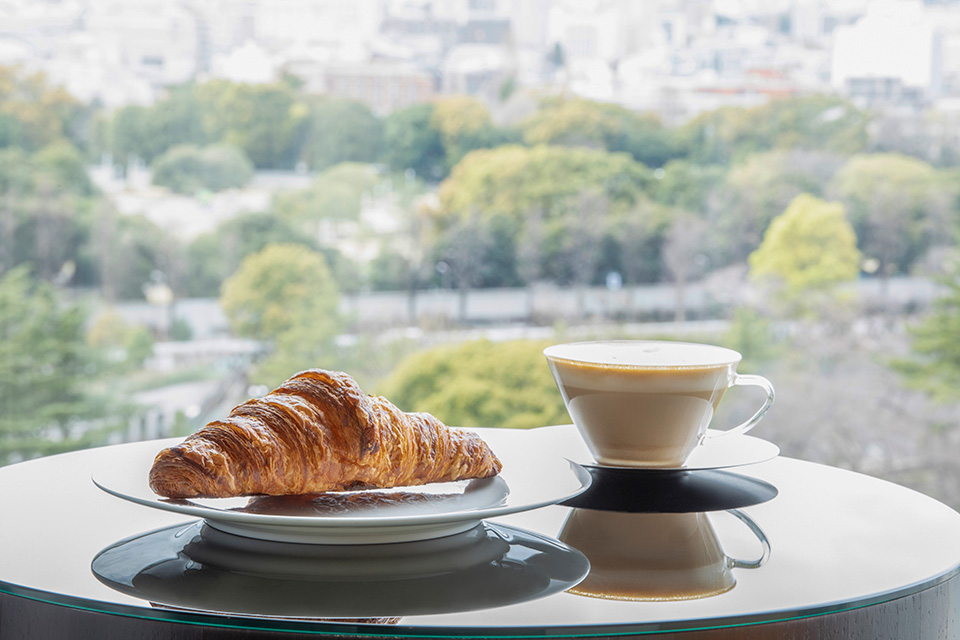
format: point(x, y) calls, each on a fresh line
point(200, 198)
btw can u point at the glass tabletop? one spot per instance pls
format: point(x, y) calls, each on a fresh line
point(637, 552)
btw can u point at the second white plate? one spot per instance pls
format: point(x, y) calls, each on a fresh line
point(529, 480)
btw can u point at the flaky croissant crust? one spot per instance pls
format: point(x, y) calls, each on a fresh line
point(318, 432)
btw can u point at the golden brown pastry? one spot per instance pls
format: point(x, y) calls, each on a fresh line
point(318, 432)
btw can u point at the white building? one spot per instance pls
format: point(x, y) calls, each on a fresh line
point(893, 50)
point(155, 39)
point(347, 26)
point(91, 72)
point(606, 30)
point(249, 63)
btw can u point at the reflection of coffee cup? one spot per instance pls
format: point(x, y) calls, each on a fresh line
point(647, 403)
point(653, 556)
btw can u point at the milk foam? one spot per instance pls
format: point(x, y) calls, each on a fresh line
point(639, 353)
point(651, 367)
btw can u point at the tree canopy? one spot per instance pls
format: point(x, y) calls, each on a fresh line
point(513, 179)
point(479, 384)
point(818, 122)
point(34, 114)
point(935, 363)
point(340, 130)
point(807, 249)
point(189, 169)
point(46, 370)
point(893, 201)
point(278, 289)
point(585, 123)
point(411, 142)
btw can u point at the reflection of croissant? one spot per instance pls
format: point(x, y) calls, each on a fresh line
point(318, 432)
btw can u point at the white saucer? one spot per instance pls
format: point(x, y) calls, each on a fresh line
point(715, 453)
point(530, 479)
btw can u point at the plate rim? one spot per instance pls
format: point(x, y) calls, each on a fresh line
point(562, 466)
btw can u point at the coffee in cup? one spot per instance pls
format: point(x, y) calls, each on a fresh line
point(646, 403)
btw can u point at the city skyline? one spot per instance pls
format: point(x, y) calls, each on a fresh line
point(673, 58)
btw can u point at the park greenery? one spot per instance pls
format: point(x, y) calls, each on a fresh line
point(795, 195)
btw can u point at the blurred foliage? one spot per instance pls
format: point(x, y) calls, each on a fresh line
point(819, 122)
point(213, 257)
point(283, 288)
point(509, 187)
point(808, 250)
point(65, 166)
point(479, 384)
point(585, 123)
point(898, 206)
point(34, 114)
point(758, 189)
point(266, 121)
point(934, 365)
point(339, 130)
point(685, 185)
point(752, 335)
point(513, 179)
point(411, 142)
point(464, 124)
point(47, 371)
point(189, 170)
point(131, 344)
point(336, 194)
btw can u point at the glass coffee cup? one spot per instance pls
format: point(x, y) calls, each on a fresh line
point(648, 403)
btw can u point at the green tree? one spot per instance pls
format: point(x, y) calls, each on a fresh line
point(464, 124)
point(505, 184)
point(808, 250)
point(214, 257)
point(127, 136)
point(335, 196)
point(757, 189)
point(47, 372)
point(266, 121)
point(144, 133)
point(340, 130)
point(34, 114)
point(479, 384)
point(133, 344)
point(44, 200)
point(188, 169)
point(411, 142)
point(935, 363)
point(817, 122)
point(65, 165)
point(284, 287)
point(893, 200)
point(514, 179)
point(585, 123)
point(685, 185)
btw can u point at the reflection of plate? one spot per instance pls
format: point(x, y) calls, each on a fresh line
point(649, 491)
point(528, 481)
point(716, 452)
point(197, 567)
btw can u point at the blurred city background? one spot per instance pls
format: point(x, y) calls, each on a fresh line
point(199, 198)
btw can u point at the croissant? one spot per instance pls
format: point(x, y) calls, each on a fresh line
point(314, 433)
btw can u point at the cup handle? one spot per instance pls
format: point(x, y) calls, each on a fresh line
point(761, 536)
point(749, 381)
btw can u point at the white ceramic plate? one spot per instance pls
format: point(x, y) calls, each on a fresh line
point(722, 452)
point(529, 480)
